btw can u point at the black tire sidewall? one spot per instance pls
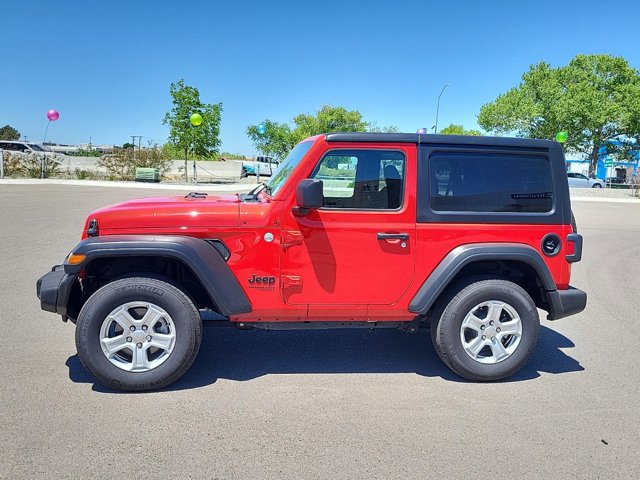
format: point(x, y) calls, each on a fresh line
point(183, 313)
point(448, 330)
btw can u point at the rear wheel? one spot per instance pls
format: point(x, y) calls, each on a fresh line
point(487, 330)
point(138, 334)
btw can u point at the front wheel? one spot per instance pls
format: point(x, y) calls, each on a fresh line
point(138, 334)
point(596, 185)
point(487, 331)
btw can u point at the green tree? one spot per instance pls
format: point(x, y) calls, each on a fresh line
point(374, 128)
point(595, 98)
point(276, 142)
point(455, 129)
point(202, 141)
point(328, 119)
point(9, 133)
point(280, 138)
point(128, 145)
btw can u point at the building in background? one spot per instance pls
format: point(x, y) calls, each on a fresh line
point(621, 169)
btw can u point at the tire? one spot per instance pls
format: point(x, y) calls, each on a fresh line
point(508, 342)
point(596, 185)
point(165, 331)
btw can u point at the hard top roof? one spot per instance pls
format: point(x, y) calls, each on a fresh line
point(439, 139)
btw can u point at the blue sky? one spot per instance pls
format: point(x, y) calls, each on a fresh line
point(107, 65)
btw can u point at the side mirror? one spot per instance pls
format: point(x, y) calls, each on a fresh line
point(309, 195)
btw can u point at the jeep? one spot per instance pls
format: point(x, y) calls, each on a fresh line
point(465, 236)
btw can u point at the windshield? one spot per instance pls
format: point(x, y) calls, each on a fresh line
point(37, 148)
point(287, 166)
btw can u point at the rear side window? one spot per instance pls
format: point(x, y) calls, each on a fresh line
point(490, 183)
point(13, 147)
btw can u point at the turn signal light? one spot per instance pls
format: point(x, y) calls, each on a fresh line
point(76, 258)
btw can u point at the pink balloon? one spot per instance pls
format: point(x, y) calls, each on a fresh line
point(53, 115)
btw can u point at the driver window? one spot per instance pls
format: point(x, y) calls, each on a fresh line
point(362, 179)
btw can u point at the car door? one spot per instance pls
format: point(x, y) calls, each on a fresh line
point(359, 248)
point(582, 181)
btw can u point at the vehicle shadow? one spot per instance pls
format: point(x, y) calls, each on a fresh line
point(243, 355)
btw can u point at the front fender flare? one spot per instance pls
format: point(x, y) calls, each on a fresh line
point(202, 258)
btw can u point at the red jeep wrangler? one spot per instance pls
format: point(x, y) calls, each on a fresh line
point(467, 236)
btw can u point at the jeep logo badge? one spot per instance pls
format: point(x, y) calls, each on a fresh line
point(261, 283)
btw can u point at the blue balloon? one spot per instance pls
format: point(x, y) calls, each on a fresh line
point(262, 129)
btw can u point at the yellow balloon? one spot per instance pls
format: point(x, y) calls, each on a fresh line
point(195, 119)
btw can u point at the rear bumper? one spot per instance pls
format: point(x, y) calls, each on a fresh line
point(53, 290)
point(564, 303)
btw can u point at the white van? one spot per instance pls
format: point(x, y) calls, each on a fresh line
point(24, 147)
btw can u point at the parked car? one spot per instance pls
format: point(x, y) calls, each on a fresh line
point(578, 180)
point(616, 180)
point(24, 147)
point(263, 165)
point(466, 236)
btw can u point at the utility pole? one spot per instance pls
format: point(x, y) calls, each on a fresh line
point(133, 142)
point(90, 143)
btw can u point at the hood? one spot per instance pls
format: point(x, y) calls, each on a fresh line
point(168, 213)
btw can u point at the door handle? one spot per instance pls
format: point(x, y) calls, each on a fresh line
point(393, 236)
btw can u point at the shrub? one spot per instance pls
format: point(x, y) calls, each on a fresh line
point(122, 164)
point(83, 174)
point(33, 165)
point(171, 152)
point(12, 164)
point(30, 165)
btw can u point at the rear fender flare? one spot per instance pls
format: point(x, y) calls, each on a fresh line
point(465, 255)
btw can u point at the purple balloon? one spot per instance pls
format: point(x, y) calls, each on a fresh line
point(53, 115)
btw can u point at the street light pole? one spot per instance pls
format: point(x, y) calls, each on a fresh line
point(438, 106)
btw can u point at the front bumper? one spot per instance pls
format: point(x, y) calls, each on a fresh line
point(564, 303)
point(54, 288)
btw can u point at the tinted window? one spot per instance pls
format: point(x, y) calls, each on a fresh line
point(14, 147)
point(9, 146)
point(362, 179)
point(477, 182)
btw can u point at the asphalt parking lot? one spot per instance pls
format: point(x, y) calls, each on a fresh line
point(326, 405)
